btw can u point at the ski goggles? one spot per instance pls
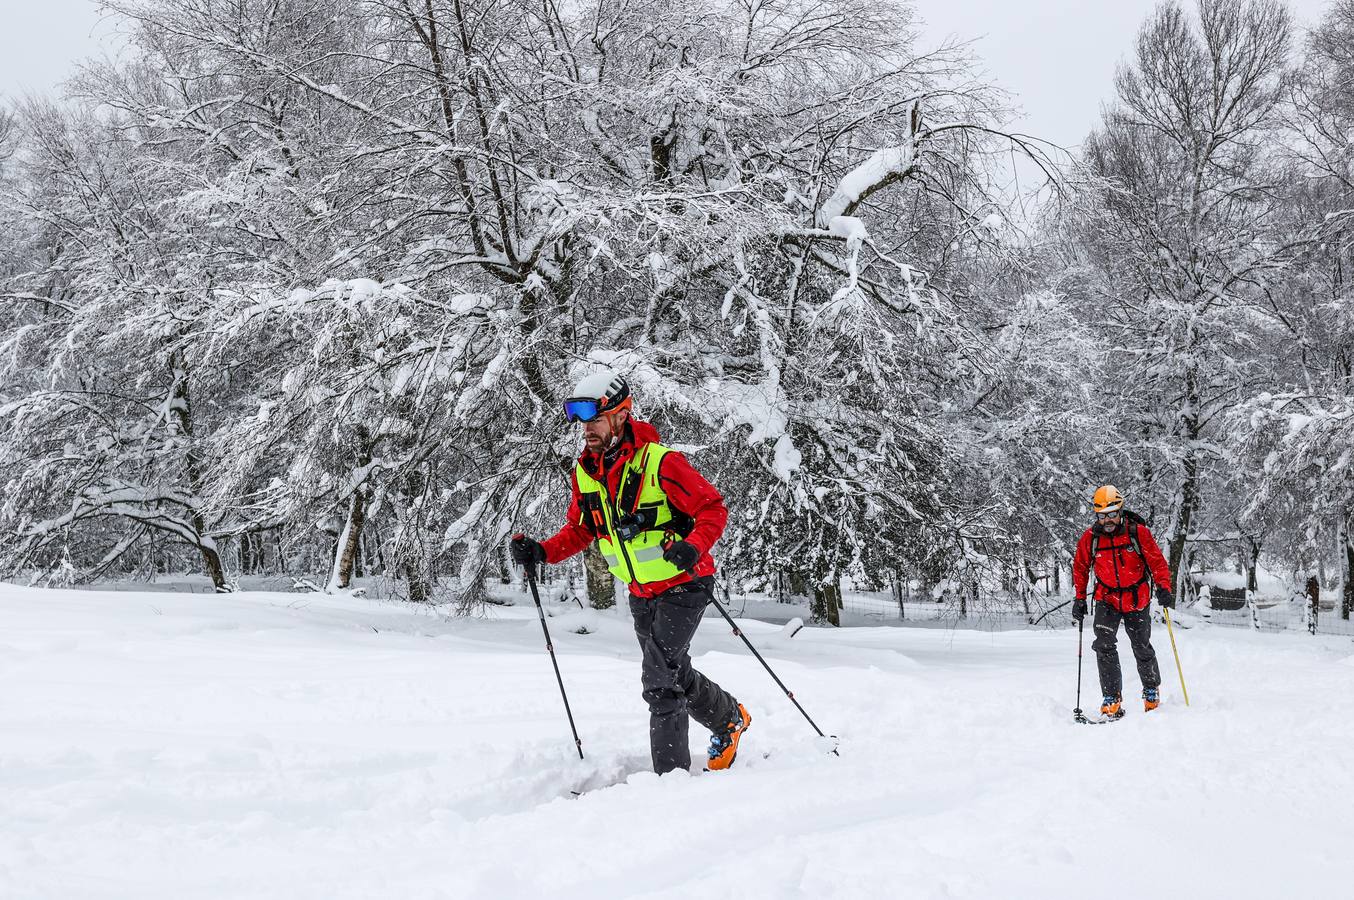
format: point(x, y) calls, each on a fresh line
point(582, 409)
point(1106, 516)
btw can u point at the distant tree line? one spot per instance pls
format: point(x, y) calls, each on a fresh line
point(297, 286)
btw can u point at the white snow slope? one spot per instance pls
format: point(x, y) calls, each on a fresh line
point(283, 746)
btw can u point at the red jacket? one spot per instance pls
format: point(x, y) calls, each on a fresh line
point(1118, 566)
point(687, 492)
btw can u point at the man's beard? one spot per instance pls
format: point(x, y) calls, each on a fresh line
point(1107, 528)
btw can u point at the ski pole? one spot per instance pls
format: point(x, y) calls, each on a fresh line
point(1171, 632)
point(531, 580)
point(668, 540)
point(1081, 633)
point(788, 693)
point(1077, 714)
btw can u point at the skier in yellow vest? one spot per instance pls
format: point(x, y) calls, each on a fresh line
point(654, 519)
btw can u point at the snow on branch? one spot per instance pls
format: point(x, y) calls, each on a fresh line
point(883, 167)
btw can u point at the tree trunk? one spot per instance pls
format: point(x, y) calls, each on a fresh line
point(418, 584)
point(1347, 595)
point(412, 557)
point(211, 559)
point(181, 405)
point(601, 583)
point(345, 556)
point(1313, 603)
point(1189, 500)
point(1251, 578)
point(1031, 582)
point(826, 605)
point(1189, 490)
point(376, 555)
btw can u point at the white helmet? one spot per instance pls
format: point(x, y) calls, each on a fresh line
point(597, 394)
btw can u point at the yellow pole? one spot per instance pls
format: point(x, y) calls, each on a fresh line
point(1171, 632)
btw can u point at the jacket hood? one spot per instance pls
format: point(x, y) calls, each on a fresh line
point(644, 433)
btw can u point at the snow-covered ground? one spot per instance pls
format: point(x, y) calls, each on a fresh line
point(282, 746)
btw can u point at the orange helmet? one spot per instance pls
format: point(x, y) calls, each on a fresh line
point(1107, 499)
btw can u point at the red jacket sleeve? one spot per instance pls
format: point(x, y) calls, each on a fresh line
point(574, 536)
point(1081, 565)
point(690, 493)
point(1156, 562)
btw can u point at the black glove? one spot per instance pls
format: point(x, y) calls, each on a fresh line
point(1165, 598)
point(682, 555)
point(1079, 609)
point(525, 551)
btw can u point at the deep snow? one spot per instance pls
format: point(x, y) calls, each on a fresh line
point(305, 746)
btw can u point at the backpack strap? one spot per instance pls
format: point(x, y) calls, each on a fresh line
point(1095, 550)
point(634, 481)
point(1136, 544)
point(1132, 531)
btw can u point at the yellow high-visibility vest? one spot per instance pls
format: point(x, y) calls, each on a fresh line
point(640, 559)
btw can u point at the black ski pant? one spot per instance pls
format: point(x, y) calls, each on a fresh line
point(1138, 626)
point(665, 625)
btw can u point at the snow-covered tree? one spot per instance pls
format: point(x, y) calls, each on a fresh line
point(350, 256)
point(1187, 230)
point(1297, 433)
point(111, 426)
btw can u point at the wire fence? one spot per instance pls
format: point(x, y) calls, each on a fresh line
point(1240, 608)
point(1001, 612)
point(989, 612)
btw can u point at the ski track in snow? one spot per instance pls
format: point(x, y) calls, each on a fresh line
point(275, 746)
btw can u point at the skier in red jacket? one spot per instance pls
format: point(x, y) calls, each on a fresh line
point(654, 519)
point(1127, 561)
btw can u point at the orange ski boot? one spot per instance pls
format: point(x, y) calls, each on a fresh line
point(1151, 699)
point(724, 744)
point(1112, 708)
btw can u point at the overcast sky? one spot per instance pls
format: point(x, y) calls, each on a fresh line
point(1056, 56)
point(40, 40)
